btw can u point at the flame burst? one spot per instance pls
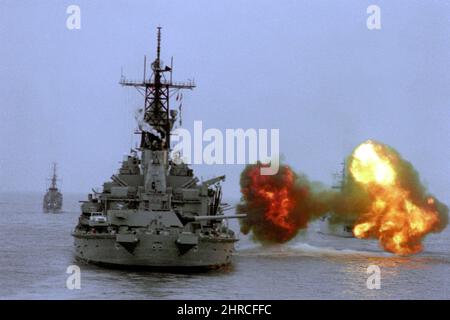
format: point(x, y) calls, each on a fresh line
point(277, 198)
point(381, 196)
point(272, 204)
point(398, 216)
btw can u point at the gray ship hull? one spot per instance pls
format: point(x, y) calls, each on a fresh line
point(153, 251)
point(154, 212)
point(52, 202)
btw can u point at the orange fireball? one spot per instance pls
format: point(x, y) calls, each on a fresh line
point(277, 206)
point(398, 220)
point(277, 197)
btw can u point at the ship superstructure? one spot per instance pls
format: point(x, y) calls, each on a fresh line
point(154, 212)
point(341, 228)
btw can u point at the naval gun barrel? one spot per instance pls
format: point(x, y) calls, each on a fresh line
point(218, 217)
point(213, 180)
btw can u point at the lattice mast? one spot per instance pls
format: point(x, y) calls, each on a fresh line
point(157, 91)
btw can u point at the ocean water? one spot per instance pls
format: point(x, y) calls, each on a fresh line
point(36, 249)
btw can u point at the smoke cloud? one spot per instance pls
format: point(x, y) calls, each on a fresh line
point(381, 195)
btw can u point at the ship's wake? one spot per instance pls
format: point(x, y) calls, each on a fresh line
point(306, 249)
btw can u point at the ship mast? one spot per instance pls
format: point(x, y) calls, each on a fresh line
point(157, 113)
point(340, 177)
point(54, 177)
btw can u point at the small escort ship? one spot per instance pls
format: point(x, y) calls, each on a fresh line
point(154, 212)
point(53, 199)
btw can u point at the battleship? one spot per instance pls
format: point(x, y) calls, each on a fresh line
point(155, 212)
point(341, 228)
point(53, 199)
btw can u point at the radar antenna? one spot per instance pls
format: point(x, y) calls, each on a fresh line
point(157, 115)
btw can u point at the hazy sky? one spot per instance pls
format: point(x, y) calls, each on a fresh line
point(310, 68)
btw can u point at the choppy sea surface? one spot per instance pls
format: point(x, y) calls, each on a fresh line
point(36, 250)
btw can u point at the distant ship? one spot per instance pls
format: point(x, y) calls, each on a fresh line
point(341, 228)
point(53, 199)
point(338, 229)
